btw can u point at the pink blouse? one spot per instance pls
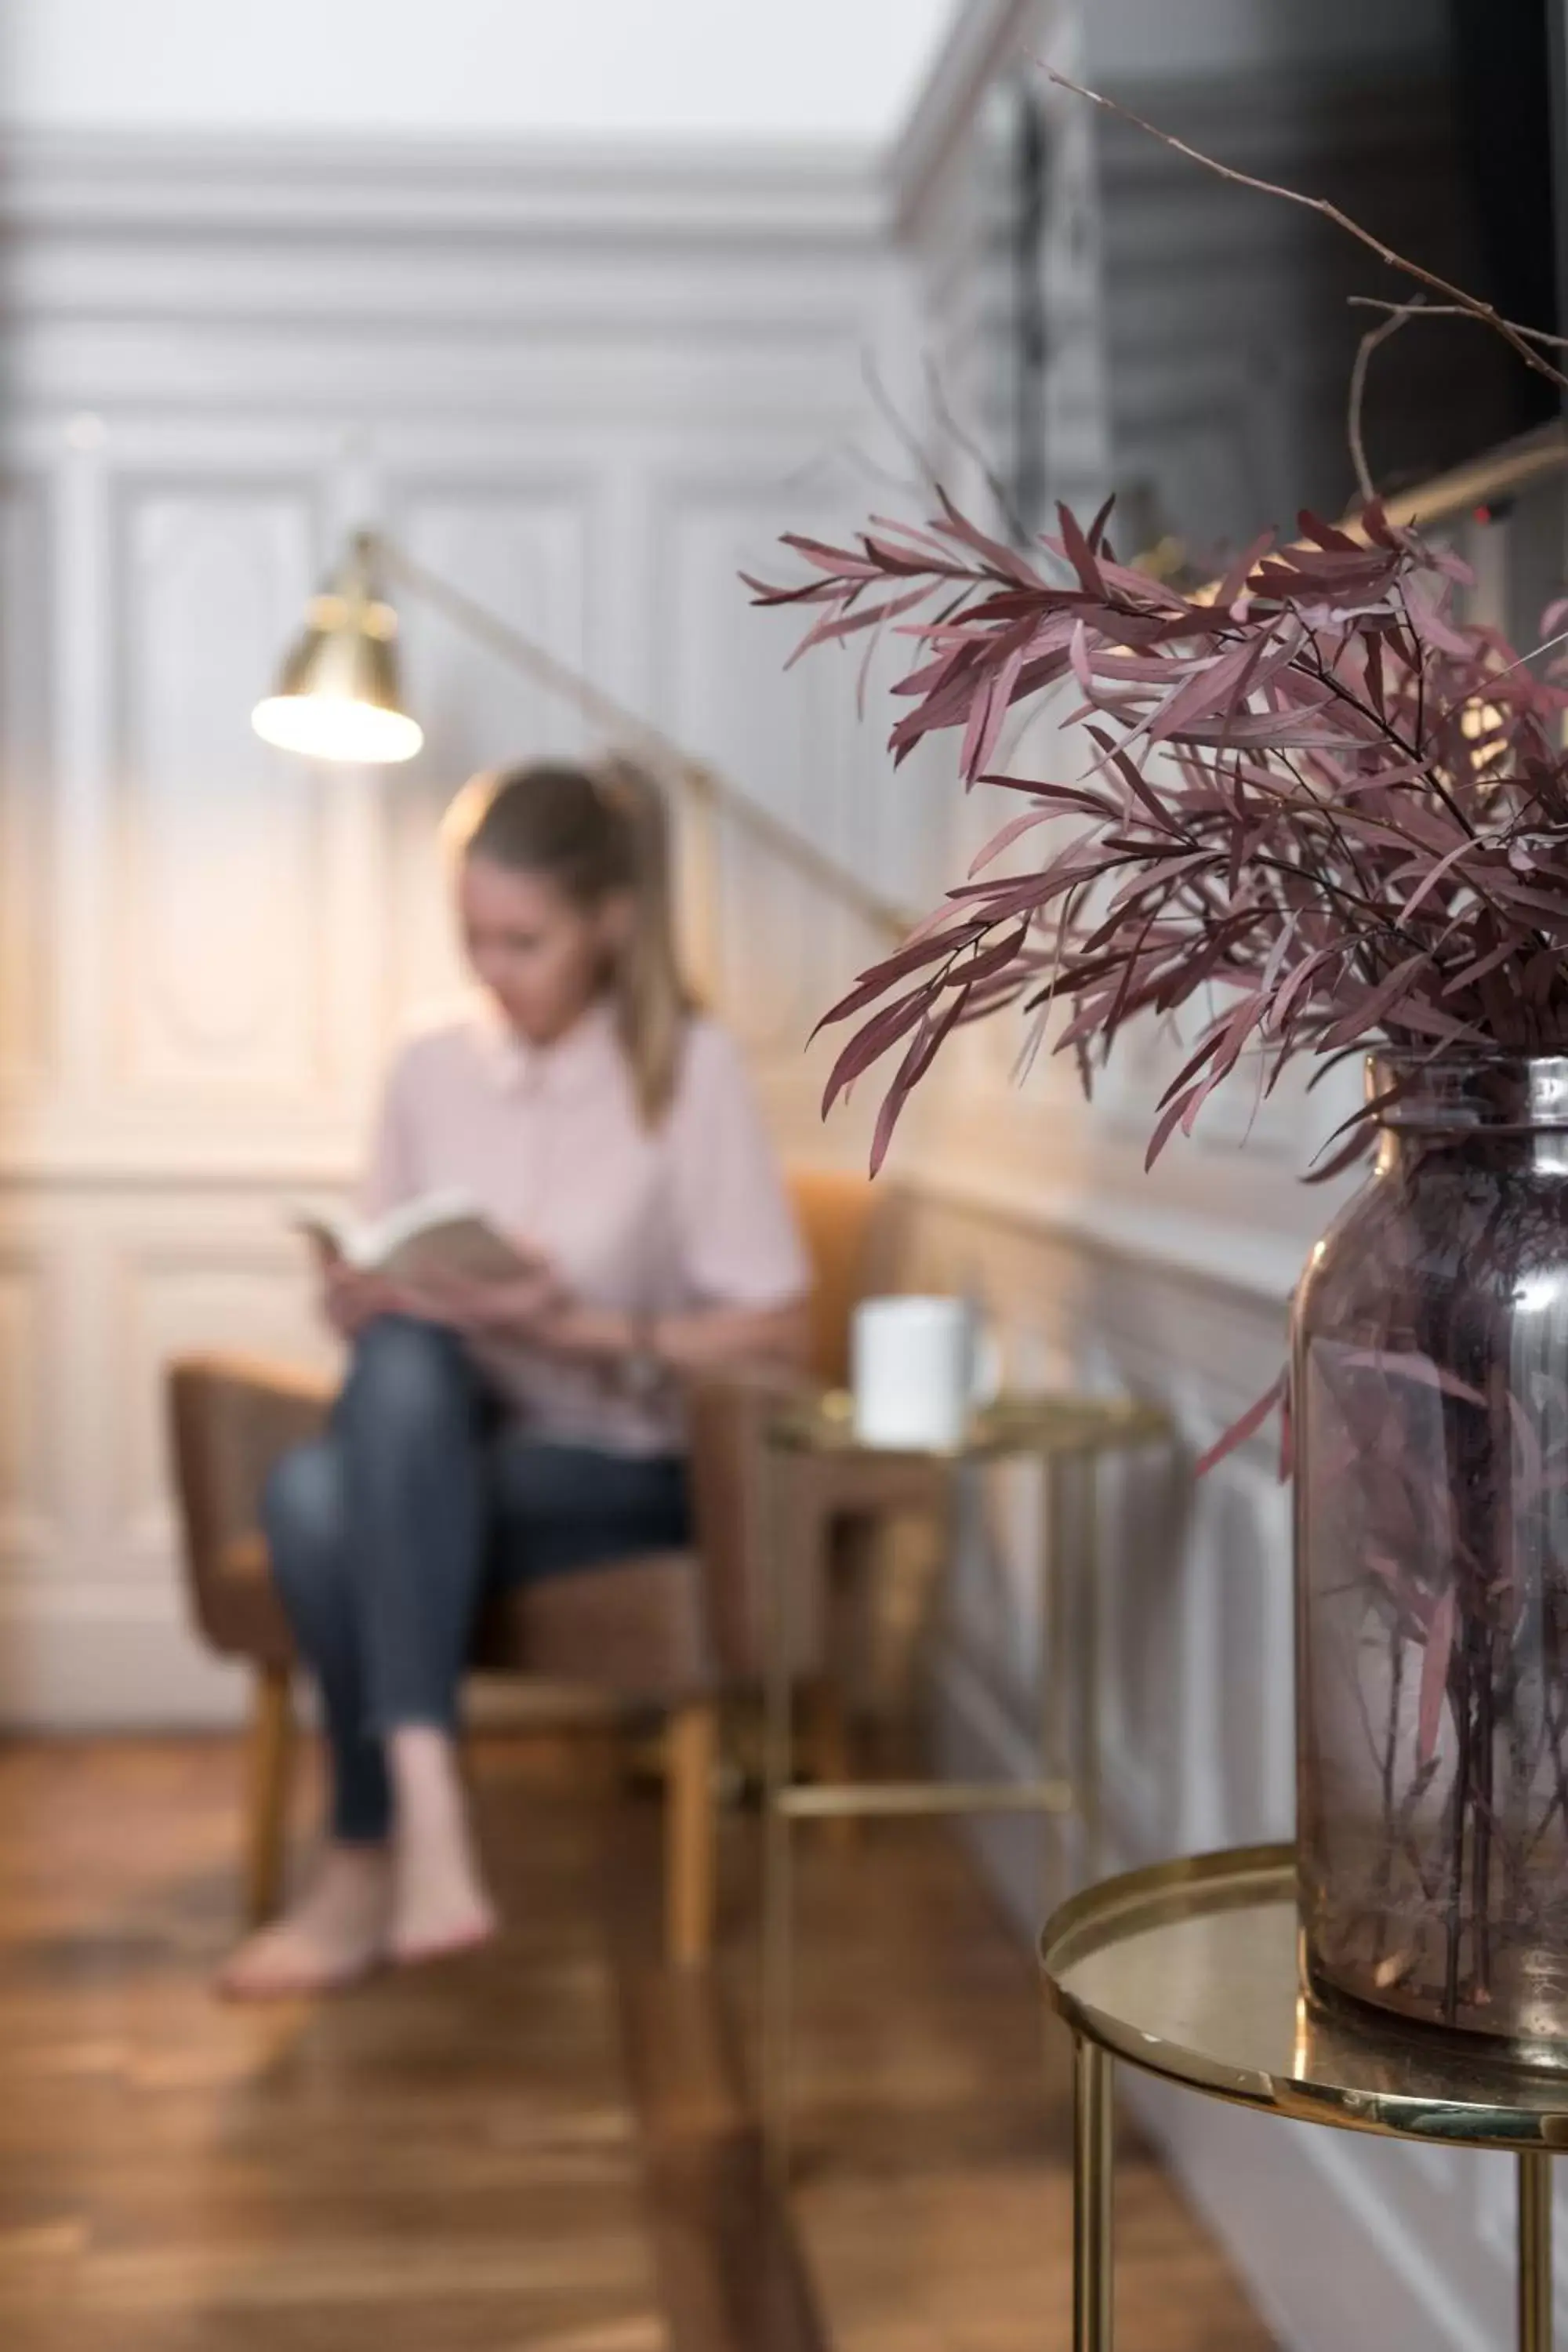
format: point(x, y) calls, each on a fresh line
point(548, 1141)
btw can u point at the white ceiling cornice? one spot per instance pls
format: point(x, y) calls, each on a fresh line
point(90, 182)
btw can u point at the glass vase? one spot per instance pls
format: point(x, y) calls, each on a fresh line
point(1429, 1394)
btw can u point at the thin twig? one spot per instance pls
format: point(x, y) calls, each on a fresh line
point(1469, 304)
point(1457, 310)
point(1401, 314)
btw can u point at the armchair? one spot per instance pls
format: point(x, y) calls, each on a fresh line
point(670, 1629)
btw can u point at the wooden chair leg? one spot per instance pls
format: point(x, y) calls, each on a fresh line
point(830, 1752)
point(689, 1818)
point(267, 1793)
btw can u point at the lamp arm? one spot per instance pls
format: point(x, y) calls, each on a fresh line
point(709, 789)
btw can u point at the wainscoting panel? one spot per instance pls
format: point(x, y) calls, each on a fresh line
point(27, 780)
point(33, 1470)
point(218, 843)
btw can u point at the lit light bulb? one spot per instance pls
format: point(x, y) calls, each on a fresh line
point(334, 727)
point(338, 696)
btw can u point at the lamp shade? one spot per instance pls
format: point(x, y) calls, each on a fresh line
point(338, 694)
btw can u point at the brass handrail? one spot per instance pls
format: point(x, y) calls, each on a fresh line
point(1500, 473)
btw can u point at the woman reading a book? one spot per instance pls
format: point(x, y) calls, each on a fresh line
point(522, 1421)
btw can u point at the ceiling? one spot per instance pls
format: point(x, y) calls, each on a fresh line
point(723, 69)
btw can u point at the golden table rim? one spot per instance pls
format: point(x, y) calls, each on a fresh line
point(1345, 2068)
point(1018, 1422)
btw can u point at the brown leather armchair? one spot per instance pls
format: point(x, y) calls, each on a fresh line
point(670, 1629)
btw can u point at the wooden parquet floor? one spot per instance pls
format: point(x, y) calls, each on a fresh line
point(545, 2147)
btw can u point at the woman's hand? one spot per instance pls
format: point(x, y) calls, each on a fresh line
point(351, 1298)
point(588, 1334)
point(489, 1309)
point(675, 1344)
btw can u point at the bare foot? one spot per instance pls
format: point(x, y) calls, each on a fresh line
point(439, 1900)
point(332, 1939)
point(439, 1912)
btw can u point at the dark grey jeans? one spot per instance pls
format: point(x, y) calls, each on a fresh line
point(385, 1533)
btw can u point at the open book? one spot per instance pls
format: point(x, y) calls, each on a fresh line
point(440, 1233)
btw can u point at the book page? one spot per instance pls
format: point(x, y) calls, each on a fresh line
point(442, 1233)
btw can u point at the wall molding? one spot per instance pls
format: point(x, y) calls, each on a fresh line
point(1208, 1254)
point(94, 1658)
point(984, 39)
point(295, 277)
point(431, 191)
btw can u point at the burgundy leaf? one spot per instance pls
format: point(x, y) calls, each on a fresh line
point(1243, 1428)
point(1318, 794)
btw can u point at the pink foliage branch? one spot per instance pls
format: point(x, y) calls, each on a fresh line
point(1318, 801)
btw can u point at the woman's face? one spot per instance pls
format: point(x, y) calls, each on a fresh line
point(543, 958)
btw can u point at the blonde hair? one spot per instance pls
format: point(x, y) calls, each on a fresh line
point(594, 831)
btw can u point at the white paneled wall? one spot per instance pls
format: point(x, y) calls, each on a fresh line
point(586, 390)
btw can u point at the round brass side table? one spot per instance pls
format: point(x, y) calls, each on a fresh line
point(816, 1469)
point(1191, 1970)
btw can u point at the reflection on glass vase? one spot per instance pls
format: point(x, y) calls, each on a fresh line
point(1430, 1404)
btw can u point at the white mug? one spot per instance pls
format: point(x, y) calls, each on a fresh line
point(917, 1369)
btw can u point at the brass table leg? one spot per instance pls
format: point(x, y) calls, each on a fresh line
point(778, 1772)
point(1093, 2293)
point(1056, 1762)
point(1070, 1534)
point(1534, 2170)
point(1087, 1468)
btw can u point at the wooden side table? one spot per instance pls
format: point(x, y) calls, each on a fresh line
point(817, 1470)
point(1191, 1971)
